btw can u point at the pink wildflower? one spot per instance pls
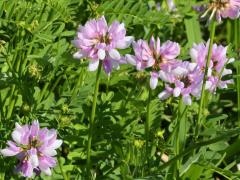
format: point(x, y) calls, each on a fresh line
point(182, 80)
point(223, 9)
point(34, 147)
point(155, 56)
point(216, 69)
point(96, 41)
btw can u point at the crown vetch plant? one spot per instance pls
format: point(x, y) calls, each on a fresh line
point(98, 42)
point(177, 123)
point(34, 147)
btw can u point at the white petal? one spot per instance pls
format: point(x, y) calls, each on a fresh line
point(222, 85)
point(153, 82)
point(34, 160)
point(238, 166)
point(121, 27)
point(18, 126)
point(114, 54)
point(187, 100)
point(131, 59)
point(49, 152)
point(192, 66)
point(78, 55)
point(101, 54)
point(125, 43)
point(56, 144)
point(16, 135)
point(163, 76)
point(171, 5)
point(7, 152)
point(164, 95)
point(226, 72)
point(208, 85)
point(209, 72)
point(93, 65)
point(231, 60)
point(193, 54)
point(115, 65)
point(47, 171)
point(176, 92)
point(179, 71)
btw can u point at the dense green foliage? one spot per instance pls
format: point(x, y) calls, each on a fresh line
point(39, 79)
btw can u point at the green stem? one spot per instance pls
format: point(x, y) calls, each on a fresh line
point(177, 125)
point(178, 132)
point(147, 124)
point(11, 102)
point(79, 82)
point(200, 110)
point(236, 43)
point(238, 92)
point(107, 88)
point(61, 169)
point(90, 134)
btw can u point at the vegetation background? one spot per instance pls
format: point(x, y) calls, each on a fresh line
point(39, 79)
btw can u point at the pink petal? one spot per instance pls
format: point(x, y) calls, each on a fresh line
point(27, 169)
point(34, 128)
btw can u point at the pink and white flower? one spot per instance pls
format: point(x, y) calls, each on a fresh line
point(96, 41)
point(34, 147)
point(216, 69)
point(183, 80)
point(155, 56)
point(222, 9)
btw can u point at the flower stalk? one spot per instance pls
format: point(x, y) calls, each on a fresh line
point(91, 122)
point(61, 168)
point(147, 124)
point(236, 43)
point(200, 110)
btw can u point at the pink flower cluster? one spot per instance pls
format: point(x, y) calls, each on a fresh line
point(98, 42)
point(154, 55)
point(34, 148)
point(218, 61)
point(182, 78)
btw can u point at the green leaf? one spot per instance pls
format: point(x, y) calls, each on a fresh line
point(193, 30)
